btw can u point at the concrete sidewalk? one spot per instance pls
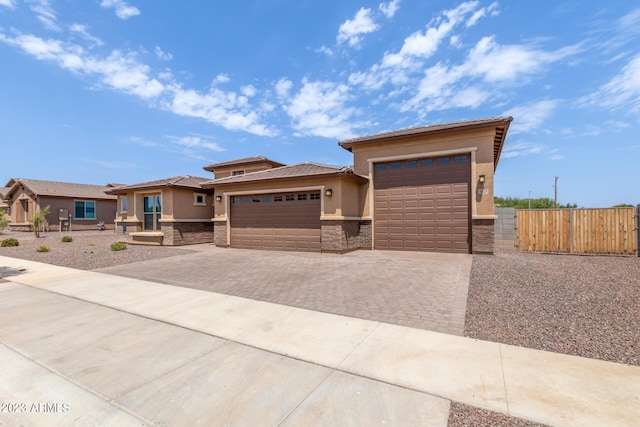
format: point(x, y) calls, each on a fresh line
point(317, 362)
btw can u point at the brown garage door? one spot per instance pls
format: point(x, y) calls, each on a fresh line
point(283, 221)
point(423, 204)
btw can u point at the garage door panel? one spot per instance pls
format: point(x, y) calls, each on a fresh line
point(259, 222)
point(423, 204)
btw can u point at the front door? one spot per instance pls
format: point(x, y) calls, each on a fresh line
point(152, 212)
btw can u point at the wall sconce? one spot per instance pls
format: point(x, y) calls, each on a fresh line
point(328, 192)
point(218, 198)
point(481, 179)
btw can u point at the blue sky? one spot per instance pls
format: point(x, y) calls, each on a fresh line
point(101, 91)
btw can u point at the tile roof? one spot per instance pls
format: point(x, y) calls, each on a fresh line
point(243, 161)
point(62, 189)
point(185, 181)
point(501, 125)
point(4, 191)
point(299, 170)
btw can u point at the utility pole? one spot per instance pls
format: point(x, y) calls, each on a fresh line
point(529, 199)
point(555, 193)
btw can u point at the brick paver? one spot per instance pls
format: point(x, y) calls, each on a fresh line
point(421, 290)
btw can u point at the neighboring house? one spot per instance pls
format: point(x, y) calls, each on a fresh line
point(3, 204)
point(170, 211)
point(81, 206)
point(426, 189)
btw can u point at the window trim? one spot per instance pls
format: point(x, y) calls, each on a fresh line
point(195, 199)
point(84, 202)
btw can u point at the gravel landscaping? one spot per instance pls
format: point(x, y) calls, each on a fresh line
point(88, 250)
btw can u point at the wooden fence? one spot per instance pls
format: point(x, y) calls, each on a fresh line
point(579, 231)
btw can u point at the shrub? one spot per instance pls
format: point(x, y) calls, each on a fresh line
point(67, 239)
point(43, 248)
point(4, 223)
point(9, 242)
point(118, 246)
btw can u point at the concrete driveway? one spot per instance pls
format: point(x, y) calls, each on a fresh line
point(416, 289)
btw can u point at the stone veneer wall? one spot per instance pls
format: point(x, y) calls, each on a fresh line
point(124, 227)
point(482, 236)
point(220, 234)
point(187, 233)
point(345, 235)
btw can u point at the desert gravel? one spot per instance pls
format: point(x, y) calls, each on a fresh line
point(88, 250)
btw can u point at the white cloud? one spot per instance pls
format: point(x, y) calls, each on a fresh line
point(492, 10)
point(223, 108)
point(319, 109)
point(221, 78)
point(45, 14)
point(621, 92)
point(165, 56)
point(283, 87)
point(521, 148)
point(195, 142)
point(351, 30)
point(389, 9)
point(324, 49)
point(531, 116)
point(125, 73)
point(249, 91)
point(82, 30)
point(8, 3)
point(123, 9)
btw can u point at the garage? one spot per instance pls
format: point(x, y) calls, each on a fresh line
point(423, 204)
point(277, 221)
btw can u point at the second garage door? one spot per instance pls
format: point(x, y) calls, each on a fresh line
point(282, 221)
point(423, 204)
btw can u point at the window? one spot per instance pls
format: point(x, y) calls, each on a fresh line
point(277, 198)
point(410, 164)
point(236, 173)
point(124, 204)
point(235, 200)
point(267, 199)
point(256, 200)
point(290, 197)
point(426, 162)
point(314, 196)
point(442, 161)
point(461, 159)
point(85, 209)
point(302, 197)
point(152, 206)
point(395, 165)
point(381, 166)
point(199, 199)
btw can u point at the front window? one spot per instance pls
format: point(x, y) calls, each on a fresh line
point(124, 204)
point(85, 209)
point(199, 199)
point(152, 206)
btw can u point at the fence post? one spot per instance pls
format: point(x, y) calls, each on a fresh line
point(571, 213)
point(638, 230)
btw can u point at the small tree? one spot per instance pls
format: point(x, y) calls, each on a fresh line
point(39, 219)
point(4, 223)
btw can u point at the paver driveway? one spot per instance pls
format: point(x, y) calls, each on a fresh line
point(416, 289)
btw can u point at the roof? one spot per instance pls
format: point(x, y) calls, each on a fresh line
point(185, 181)
point(4, 191)
point(61, 189)
point(243, 161)
point(300, 170)
point(501, 124)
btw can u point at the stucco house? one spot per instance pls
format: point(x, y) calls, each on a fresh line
point(169, 211)
point(427, 188)
point(80, 206)
point(3, 204)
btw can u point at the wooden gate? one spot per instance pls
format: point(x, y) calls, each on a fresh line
point(578, 231)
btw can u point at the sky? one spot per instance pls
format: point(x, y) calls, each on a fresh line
point(99, 91)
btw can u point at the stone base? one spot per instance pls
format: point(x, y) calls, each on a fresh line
point(345, 235)
point(220, 234)
point(482, 236)
point(187, 233)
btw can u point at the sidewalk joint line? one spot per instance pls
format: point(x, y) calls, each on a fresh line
point(504, 380)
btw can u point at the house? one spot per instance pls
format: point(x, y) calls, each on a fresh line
point(4, 206)
point(170, 211)
point(427, 188)
point(80, 206)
